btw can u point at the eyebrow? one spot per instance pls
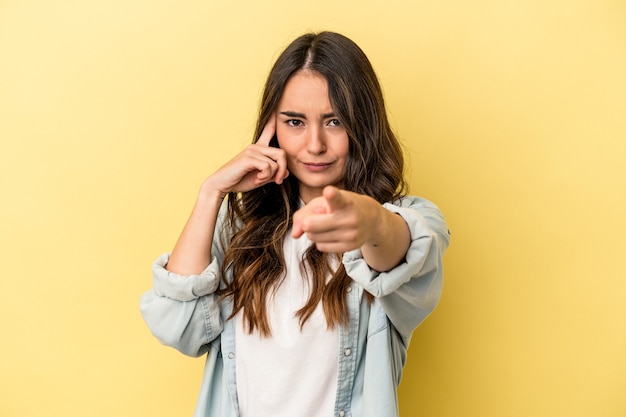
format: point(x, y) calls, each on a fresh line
point(289, 113)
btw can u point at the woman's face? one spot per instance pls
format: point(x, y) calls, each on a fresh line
point(309, 132)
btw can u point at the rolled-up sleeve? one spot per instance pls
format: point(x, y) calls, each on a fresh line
point(183, 288)
point(410, 291)
point(183, 311)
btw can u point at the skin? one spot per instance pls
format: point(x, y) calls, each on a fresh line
point(316, 144)
point(314, 148)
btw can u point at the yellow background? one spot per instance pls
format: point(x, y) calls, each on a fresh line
point(513, 115)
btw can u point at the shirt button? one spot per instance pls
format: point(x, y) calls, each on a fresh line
point(349, 289)
point(342, 413)
point(231, 355)
point(347, 352)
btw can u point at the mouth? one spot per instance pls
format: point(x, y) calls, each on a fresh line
point(316, 166)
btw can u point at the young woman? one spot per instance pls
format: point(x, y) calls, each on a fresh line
point(303, 268)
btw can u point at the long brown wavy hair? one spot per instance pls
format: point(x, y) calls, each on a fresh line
point(262, 217)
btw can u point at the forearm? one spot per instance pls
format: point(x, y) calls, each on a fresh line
point(409, 292)
point(192, 252)
point(388, 243)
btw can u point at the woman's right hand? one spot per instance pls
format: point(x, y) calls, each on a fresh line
point(255, 166)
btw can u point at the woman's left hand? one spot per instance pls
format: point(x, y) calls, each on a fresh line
point(338, 221)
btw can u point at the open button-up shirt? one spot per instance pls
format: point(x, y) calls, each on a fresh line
point(185, 312)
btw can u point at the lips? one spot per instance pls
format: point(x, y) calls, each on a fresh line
point(316, 166)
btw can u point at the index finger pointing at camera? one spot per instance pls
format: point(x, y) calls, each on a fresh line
point(335, 198)
point(268, 131)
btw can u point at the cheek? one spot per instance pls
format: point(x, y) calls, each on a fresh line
point(287, 142)
point(344, 149)
point(281, 137)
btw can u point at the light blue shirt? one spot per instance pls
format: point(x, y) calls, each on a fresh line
point(185, 313)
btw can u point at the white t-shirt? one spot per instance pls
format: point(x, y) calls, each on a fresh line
point(293, 372)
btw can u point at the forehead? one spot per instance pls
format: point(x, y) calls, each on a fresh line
point(305, 88)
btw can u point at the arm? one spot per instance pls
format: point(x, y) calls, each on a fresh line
point(257, 165)
point(394, 251)
point(192, 252)
point(182, 309)
point(389, 240)
point(409, 292)
point(341, 221)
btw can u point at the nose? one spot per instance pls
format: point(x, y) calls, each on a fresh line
point(316, 142)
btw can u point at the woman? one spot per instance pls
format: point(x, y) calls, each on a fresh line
point(303, 268)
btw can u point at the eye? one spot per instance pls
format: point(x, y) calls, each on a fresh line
point(334, 122)
point(294, 122)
